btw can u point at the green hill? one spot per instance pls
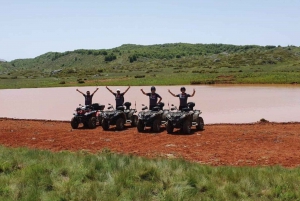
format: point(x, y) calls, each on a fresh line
point(164, 64)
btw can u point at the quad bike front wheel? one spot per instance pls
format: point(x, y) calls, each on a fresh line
point(74, 123)
point(156, 126)
point(186, 128)
point(92, 122)
point(140, 126)
point(134, 121)
point(120, 124)
point(200, 124)
point(169, 127)
point(105, 124)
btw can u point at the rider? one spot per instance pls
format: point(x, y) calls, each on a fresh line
point(118, 96)
point(182, 97)
point(152, 97)
point(88, 97)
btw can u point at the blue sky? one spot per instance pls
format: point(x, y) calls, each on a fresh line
point(33, 27)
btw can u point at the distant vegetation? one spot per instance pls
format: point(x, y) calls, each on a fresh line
point(165, 64)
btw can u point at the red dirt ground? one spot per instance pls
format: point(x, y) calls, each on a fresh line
point(258, 144)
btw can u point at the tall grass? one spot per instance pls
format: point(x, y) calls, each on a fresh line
point(42, 175)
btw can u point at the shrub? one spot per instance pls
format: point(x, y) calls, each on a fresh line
point(139, 76)
point(263, 120)
point(110, 57)
point(80, 81)
point(62, 82)
point(132, 58)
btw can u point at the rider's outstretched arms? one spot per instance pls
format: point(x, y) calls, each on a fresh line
point(143, 92)
point(95, 91)
point(109, 90)
point(171, 93)
point(126, 89)
point(79, 91)
point(193, 93)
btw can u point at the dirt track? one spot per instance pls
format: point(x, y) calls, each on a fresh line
point(257, 144)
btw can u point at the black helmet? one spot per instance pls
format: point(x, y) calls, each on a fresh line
point(153, 88)
point(182, 88)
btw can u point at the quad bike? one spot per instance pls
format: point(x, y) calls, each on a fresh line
point(180, 119)
point(130, 115)
point(119, 117)
point(151, 118)
point(197, 119)
point(88, 115)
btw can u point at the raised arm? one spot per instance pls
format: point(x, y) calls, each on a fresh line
point(143, 92)
point(193, 93)
point(109, 90)
point(171, 93)
point(95, 91)
point(79, 91)
point(126, 89)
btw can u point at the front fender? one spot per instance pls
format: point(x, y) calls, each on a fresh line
point(92, 113)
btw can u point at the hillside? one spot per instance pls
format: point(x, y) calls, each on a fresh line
point(160, 64)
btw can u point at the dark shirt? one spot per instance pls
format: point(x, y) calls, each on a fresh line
point(88, 99)
point(119, 99)
point(183, 99)
point(153, 99)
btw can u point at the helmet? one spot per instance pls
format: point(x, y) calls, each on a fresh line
point(182, 88)
point(153, 88)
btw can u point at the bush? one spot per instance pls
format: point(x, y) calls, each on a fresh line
point(132, 58)
point(139, 76)
point(110, 57)
point(263, 120)
point(80, 81)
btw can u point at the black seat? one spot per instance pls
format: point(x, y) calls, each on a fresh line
point(127, 105)
point(156, 108)
point(186, 109)
point(97, 106)
point(191, 105)
point(161, 105)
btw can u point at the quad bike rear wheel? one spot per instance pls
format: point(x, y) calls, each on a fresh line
point(92, 122)
point(186, 128)
point(156, 126)
point(200, 124)
point(134, 121)
point(105, 124)
point(74, 123)
point(169, 127)
point(140, 126)
point(120, 124)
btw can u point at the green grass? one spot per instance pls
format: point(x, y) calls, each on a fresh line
point(42, 175)
point(167, 64)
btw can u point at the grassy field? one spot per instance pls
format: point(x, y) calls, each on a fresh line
point(42, 175)
point(167, 64)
